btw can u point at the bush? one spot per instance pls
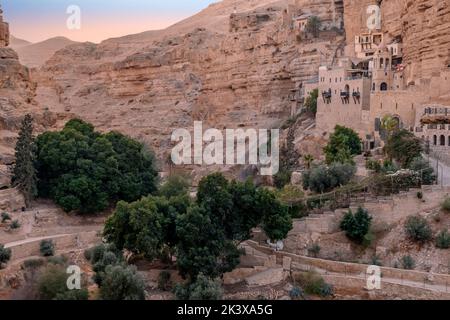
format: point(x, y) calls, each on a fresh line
point(5, 217)
point(446, 205)
point(443, 240)
point(311, 102)
point(176, 185)
point(323, 179)
point(52, 285)
point(356, 226)
point(122, 283)
point(15, 224)
point(426, 172)
point(5, 254)
point(408, 263)
point(373, 165)
point(47, 248)
point(314, 284)
point(419, 195)
point(86, 171)
point(33, 263)
point(417, 229)
point(59, 260)
point(282, 178)
point(314, 250)
point(164, 280)
point(203, 288)
point(296, 293)
point(404, 147)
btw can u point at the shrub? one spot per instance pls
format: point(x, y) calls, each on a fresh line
point(404, 147)
point(15, 224)
point(419, 195)
point(446, 205)
point(47, 248)
point(323, 179)
point(52, 285)
point(122, 283)
point(426, 172)
point(443, 240)
point(282, 178)
point(375, 261)
point(314, 250)
point(5, 254)
point(33, 263)
point(59, 260)
point(176, 185)
point(203, 288)
point(5, 217)
point(314, 284)
point(164, 280)
point(356, 226)
point(417, 229)
point(311, 102)
point(408, 263)
point(373, 165)
point(296, 293)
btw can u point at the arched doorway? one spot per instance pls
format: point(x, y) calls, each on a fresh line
point(442, 140)
point(384, 86)
point(435, 140)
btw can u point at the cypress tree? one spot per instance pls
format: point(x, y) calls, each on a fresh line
point(24, 174)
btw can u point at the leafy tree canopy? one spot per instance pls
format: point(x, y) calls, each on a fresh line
point(343, 145)
point(84, 170)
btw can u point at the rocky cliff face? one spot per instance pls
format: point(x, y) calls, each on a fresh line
point(422, 25)
point(227, 67)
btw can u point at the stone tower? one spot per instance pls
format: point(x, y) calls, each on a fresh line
point(382, 69)
point(4, 31)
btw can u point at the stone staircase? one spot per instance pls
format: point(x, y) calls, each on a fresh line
point(387, 209)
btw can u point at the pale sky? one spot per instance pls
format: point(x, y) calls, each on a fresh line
point(37, 20)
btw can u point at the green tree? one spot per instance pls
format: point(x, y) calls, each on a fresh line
point(86, 171)
point(24, 173)
point(424, 169)
point(389, 124)
point(138, 227)
point(203, 288)
point(311, 102)
point(314, 25)
point(122, 283)
point(47, 248)
point(344, 143)
point(403, 146)
point(323, 179)
point(356, 226)
point(5, 254)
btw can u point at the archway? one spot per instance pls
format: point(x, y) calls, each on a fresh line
point(384, 86)
point(442, 140)
point(435, 140)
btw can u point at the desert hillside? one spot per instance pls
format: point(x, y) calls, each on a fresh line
point(34, 55)
point(16, 43)
point(227, 69)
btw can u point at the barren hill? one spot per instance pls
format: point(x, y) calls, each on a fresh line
point(34, 55)
point(16, 43)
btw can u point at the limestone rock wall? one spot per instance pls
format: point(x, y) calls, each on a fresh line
point(232, 70)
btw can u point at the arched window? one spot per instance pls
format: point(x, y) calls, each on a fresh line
point(449, 141)
point(347, 88)
point(442, 142)
point(435, 140)
point(387, 63)
point(383, 86)
point(381, 62)
point(373, 86)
